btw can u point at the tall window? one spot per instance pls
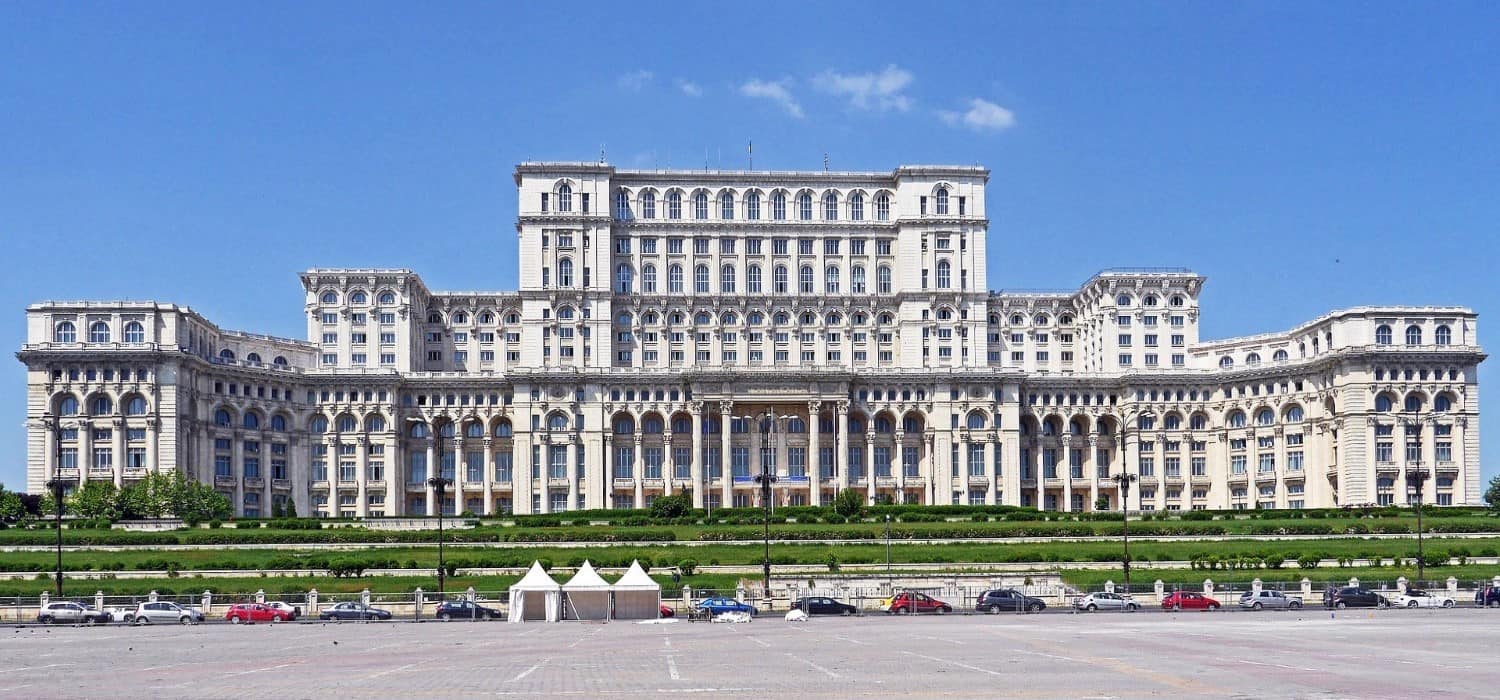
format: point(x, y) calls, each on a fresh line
point(778, 206)
point(944, 274)
point(883, 279)
point(674, 279)
point(99, 332)
point(1413, 335)
point(726, 279)
point(648, 205)
point(883, 207)
point(622, 205)
point(700, 279)
point(726, 206)
point(65, 332)
point(700, 205)
point(942, 201)
point(1443, 335)
point(805, 280)
point(136, 333)
point(830, 207)
point(856, 207)
point(831, 279)
point(781, 279)
point(648, 279)
point(752, 206)
point(1383, 335)
point(804, 206)
point(752, 279)
point(565, 273)
point(674, 205)
point(623, 278)
point(857, 280)
point(565, 198)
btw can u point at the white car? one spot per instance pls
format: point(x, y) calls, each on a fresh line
point(292, 610)
point(1105, 601)
point(1418, 598)
point(163, 611)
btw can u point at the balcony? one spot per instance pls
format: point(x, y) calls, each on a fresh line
point(1265, 477)
point(224, 481)
point(1240, 478)
point(320, 484)
point(625, 482)
point(1387, 468)
point(1447, 467)
point(281, 484)
point(978, 481)
point(255, 482)
point(501, 485)
point(419, 486)
point(376, 484)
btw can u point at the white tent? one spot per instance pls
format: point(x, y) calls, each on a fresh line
point(586, 596)
point(637, 597)
point(535, 597)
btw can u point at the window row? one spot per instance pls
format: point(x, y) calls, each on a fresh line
point(1443, 335)
point(782, 205)
point(357, 297)
point(99, 332)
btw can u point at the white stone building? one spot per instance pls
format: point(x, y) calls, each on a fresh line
point(661, 313)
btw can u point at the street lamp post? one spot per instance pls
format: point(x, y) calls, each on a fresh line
point(1124, 479)
point(439, 483)
point(56, 486)
point(888, 579)
point(765, 479)
point(1415, 476)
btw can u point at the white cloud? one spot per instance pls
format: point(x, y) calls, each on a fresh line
point(689, 88)
point(634, 80)
point(982, 115)
point(774, 91)
point(878, 91)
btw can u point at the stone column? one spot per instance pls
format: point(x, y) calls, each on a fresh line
point(433, 469)
point(869, 466)
point(489, 474)
point(668, 459)
point(815, 452)
point(608, 483)
point(638, 470)
point(237, 468)
point(571, 462)
point(991, 475)
point(49, 449)
point(544, 475)
point(696, 471)
point(85, 451)
point(118, 449)
point(1090, 471)
point(726, 475)
point(841, 446)
point(361, 476)
point(460, 470)
point(1065, 470)
point(1428, 463)
point(898, 464)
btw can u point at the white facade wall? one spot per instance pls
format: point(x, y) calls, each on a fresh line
point(576, 391)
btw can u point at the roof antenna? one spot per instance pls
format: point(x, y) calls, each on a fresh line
point(825, 161)
point(601, 154)
point(750, 151)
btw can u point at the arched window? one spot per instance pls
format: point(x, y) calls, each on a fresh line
point(1264, 417)
point(1280, 356)
point(703, 318)
point(830, 207)
point(831, 279)
point(1177, 301)
point(1413, 402)
point(417, 430)
point(136, 406)
point(805, 279)
point(942, 201)
point(726, 206)
point(1294, 414)
point(1236, 419)
point(780, 279)
point(652, 425)
point(883, 425)
point(1172, 422)
point(726, 279)
point(1442, 404)
point(227, 354)
point(359, 298)
point(700, 205)
point(944, 274)
point(387, 298)
point(857, 279)
point(347, 424)
point(796, 425)
point(648, 205)
point(648, 279)
point(222, 419)
point(728, 318)
point(1150, 300)
point(1413, 335)
point(1383, 335)
point(624, 425)
point(278, 423)
point(279, 361)
point(674, 205)
point(674, 279)
point(975, 420)
point(1383, 403)
point(752, 279)
point(1197, 422)
point(1146, 422)
point(752, 206)
point(1122, 300)
point(251, 421)
point(67, 407)
point(1252, 360)
point(565, 273)
point(883, 279)
point(1226, 362)
point(624, 278)
point(65, 332)
point(1443, 335)
point(781, 318)
point(447, 430)
point(253, 357)
point(700, 279)
point(778, 206)
point(622, 205)
point(565, 197)
point(376, 424)
point(434, 317)
point(883, 207)
point(804, 206)
point(856, 207)
point(503, 429)
point(558, 421)
point(330, 298)
point(99, 332)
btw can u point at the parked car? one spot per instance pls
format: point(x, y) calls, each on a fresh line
point(465, 610)
point(1418, 598)
point(1487, 596)
point(292, 611)
point(353, 611)
point(71, 613)
point(718, 606)
point(1105, 601)
point(163, 611)
point(1008, 599)
point(664, 611)
point(1275, 600)
point(1353, 597)
point(1188, 600)
point(822, 605)
point(912, 602)
point(255, 612)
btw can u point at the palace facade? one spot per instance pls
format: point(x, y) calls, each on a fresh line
point(680, 331)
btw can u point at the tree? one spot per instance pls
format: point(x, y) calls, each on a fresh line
point(96, 499)
point(1492, 494)
point(848, 502)
point(11, 506)
point(201, 502)
point(671, 506)
point(1101, 503)
point(154, 496)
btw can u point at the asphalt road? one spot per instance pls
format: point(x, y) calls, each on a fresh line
point(1312, 653)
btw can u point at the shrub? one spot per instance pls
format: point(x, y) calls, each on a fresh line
point(688, 567)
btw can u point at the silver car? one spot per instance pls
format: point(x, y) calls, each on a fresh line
point(162, 611)
point(70, 613)
point(1105, 601)
point(1275, 600)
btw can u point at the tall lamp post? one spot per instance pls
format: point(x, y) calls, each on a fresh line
point(765, 479)
point(1415, 476)
point(439, 484)
point(1123, 480)
point(888, 549)
point(56, 486)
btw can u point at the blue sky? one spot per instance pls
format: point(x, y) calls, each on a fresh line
point(1304, 156)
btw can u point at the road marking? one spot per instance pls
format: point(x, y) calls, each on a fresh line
point(388, 672)
point(816, 667)
point(1050, 656)
point(939, 639)
point(672, 668)
point(527, 672)
point(951, 663)
point(852, 641)
point(585, 637)
point(757, 641)
point(268, 668)
point(34, 668)
point(1257, 663)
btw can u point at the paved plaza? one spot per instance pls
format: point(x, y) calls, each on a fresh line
point(1384, 654)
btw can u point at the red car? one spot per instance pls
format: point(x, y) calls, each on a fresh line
point(916, 602)
point(256, 612)
point(666, 611)
point(1186, 600)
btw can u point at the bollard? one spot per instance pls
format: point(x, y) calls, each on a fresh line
point(1208, 587)
point(418, 597)
point(1453, 586)
point(47, 597)
point(469, 594)
point(98, 600)
point(1161, 590)
point(151, 596)
point(312, 603)
point(1354, 582)
point(208, 601)
point(1109, 586)
point(1401, 585)
point(260, 596)
point(1256, 584)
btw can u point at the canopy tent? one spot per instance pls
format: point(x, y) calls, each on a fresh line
point(637, 597)
point(535, 597)
point(586, 596)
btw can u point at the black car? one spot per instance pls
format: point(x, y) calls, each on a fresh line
point(1353, 597)
point(1008, 599)
point(1487, 596)
point(465, 610)
point(817, 605)
point(354, 611)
